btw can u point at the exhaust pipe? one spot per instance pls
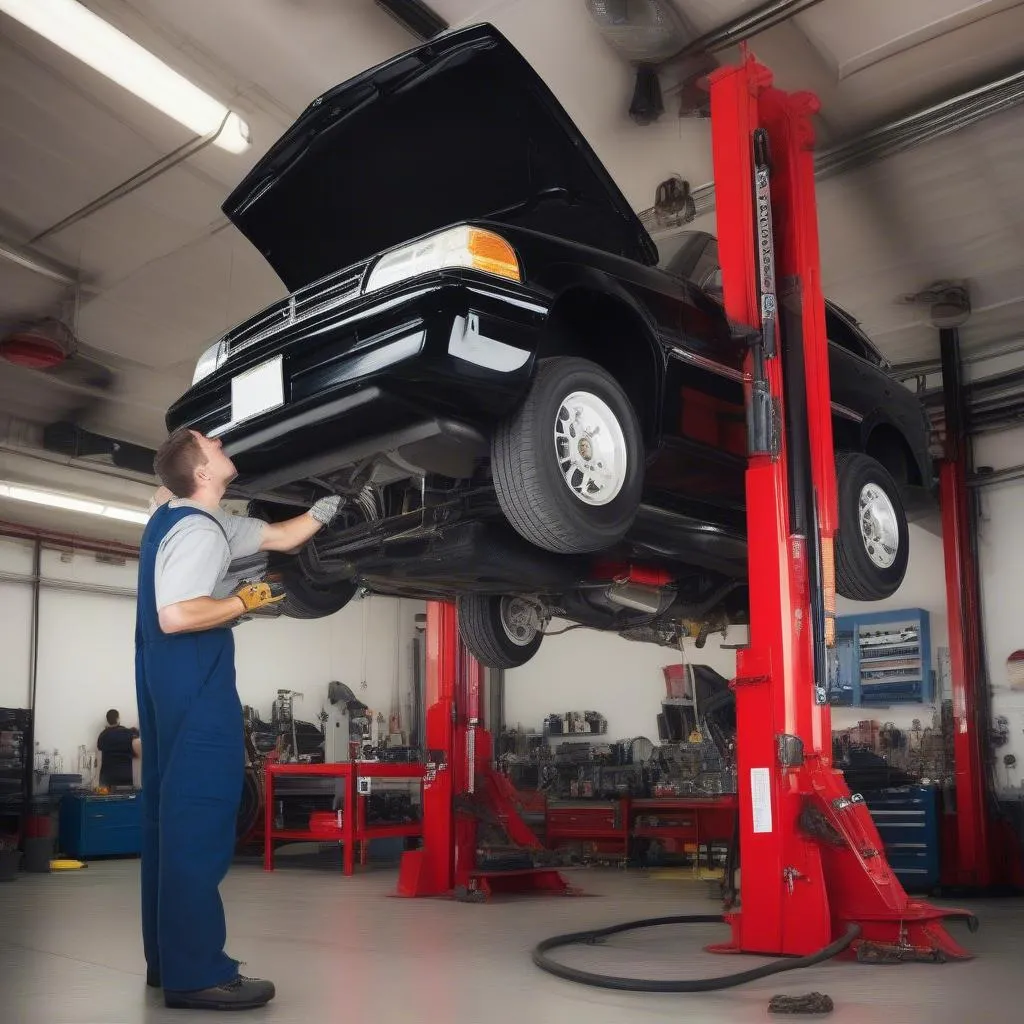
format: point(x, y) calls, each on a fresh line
point(638, 596)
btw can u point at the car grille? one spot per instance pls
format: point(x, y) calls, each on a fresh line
point(304, 304)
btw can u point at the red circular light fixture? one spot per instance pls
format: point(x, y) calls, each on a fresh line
point(35, 348)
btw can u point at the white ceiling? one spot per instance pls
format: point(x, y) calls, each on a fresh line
point(163, 274)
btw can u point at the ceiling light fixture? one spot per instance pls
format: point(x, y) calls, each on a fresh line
point(74, 28)
point(422, 21)
point(70, 503)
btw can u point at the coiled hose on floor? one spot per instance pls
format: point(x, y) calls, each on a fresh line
point(545, 963)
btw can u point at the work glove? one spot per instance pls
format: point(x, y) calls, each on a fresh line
point(326, 509)
point(262, 594)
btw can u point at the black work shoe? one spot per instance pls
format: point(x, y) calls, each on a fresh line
point(240, 994)
point(152, 978)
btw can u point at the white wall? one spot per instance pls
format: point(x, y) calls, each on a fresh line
point(587, 670)
point(593, 671)
point(1001, 565)
point(86, 651)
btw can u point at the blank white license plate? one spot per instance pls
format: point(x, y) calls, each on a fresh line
point(257, 390)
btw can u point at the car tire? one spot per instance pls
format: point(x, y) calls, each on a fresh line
point(490, 634)
point(872, 544)
point(308, 599)
point(545, 486)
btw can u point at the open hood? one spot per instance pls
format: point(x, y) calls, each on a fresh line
point(459, 129)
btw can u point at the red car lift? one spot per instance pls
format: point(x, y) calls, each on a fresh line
point(980, 849)
point(461, 789)
point(812, 863)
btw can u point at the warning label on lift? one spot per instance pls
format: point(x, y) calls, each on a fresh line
point(761, 798)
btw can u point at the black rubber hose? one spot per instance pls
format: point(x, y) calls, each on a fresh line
point(541, 959)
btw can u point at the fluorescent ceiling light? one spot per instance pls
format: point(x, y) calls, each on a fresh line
point(54, 499)
point(74, 28)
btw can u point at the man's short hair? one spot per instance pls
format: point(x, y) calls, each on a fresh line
point(113, 717)
point(176, 462)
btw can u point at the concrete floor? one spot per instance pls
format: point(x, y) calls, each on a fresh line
point(340, 949)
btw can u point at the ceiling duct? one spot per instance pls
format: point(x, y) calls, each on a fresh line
point(415, 17)
point(51, 347)
point(77, 443)
point(653, 34)
point(646, 33)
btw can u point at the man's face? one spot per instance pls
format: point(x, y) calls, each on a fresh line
point(219, 469)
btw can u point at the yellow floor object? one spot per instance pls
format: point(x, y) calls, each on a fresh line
point(67, 865)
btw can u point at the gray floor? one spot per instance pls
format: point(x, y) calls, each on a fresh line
point(340, 950)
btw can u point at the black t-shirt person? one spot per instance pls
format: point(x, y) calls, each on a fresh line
point(115, 744)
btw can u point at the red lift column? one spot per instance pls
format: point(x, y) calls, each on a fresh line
point(812, 863)
point(461, 788)
point(973, 858)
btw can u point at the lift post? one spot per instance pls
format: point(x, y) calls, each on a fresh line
point(812, 863)
point(462, 791)
point(973, 861)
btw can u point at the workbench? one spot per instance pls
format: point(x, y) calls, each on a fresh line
point(354, 831)
point(614, 824)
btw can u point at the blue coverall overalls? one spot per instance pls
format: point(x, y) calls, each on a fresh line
point(190, 720)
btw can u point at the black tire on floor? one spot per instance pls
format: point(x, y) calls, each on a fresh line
point(530, 486)
point(859, 576)
point(487, 639)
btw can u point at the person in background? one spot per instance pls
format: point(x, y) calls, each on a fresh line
point(119, 746)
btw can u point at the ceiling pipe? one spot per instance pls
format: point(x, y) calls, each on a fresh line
point(902, 134)
point(926, 367)
point(136, 181)
point(28, 260)
point(66, 541)
point(746, 26)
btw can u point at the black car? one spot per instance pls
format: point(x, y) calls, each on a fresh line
point(480, 352)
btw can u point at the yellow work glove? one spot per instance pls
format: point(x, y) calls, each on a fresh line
point(260, 595)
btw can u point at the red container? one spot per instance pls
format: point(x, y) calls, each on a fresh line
point(675, 681)
point(326, 822)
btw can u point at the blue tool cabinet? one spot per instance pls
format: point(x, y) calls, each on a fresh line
point(101, 826)
point(907, 819)
point(883, 658)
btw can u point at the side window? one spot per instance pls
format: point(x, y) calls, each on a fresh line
point(707, 274)
point(845, 336)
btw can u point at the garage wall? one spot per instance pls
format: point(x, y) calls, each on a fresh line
point(587, 670)
point(15, 624)
point(1001, 564)
point(593, 671)
point(86, 651)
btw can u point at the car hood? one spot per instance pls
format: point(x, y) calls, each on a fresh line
point(459, 129)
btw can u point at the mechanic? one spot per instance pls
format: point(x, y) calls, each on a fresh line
point(191, 716)
point(119, 746)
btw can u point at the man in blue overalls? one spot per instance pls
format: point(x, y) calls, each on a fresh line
point(191, 718)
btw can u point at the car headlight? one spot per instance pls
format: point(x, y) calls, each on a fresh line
point(464, 246)
point(209, 361)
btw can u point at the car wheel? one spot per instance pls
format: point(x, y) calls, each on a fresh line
point(500, 632)
point(872, 545)
point(309, 599)
point(568, 465)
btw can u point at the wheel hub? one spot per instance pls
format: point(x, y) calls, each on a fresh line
point(590, 447)
point(520, 620)
point(879, 526)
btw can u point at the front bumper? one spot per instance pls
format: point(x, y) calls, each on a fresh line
point(443, 356)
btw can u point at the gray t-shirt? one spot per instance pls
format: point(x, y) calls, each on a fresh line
point(199, 559)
